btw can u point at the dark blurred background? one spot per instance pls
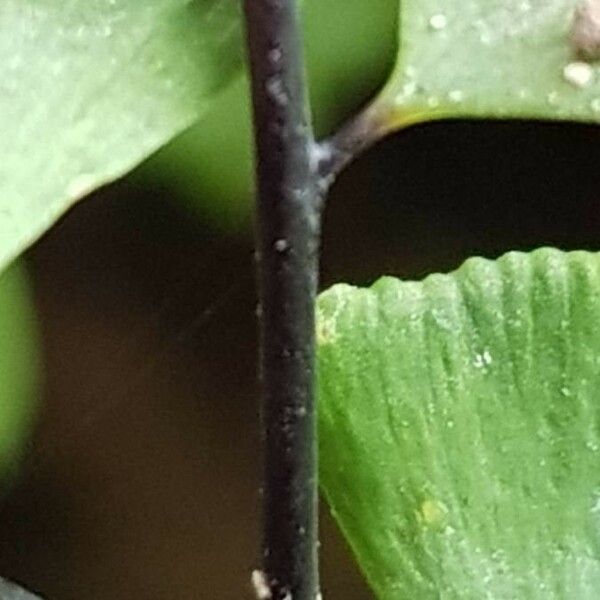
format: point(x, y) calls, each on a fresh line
point(142, 477)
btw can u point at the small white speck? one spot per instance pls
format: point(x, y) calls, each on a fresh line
point(261, 585)
point(438, 22)
point(275, 55)
point(276, 90)
point(524, 6)
point(456, 96)
point(409, 88)
point(595, 104)
point(565, 391)
point(281, 245)
point(482, 360)
point(592, 446)
point(552, 98)
point(485, 38)
point(410, 71)
point(578, 74)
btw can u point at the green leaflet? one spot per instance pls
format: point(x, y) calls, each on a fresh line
point(490, 58)
point(89, 89)
point(460, 428)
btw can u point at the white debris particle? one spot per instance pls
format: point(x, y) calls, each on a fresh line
point(438, 22)
point(578, 74)
point(261, 585)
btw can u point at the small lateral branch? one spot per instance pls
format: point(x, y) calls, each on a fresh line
point(333, 154)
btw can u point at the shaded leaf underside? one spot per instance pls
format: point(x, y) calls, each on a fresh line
point(459, 428)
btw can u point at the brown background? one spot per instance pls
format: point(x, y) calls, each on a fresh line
point(142, 478)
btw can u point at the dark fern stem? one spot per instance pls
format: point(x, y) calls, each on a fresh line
point(288, 224)
point(293, 175)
